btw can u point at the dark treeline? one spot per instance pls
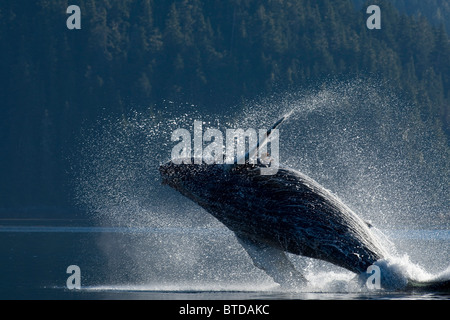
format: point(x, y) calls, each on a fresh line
point(436, 11)
point(209, 53)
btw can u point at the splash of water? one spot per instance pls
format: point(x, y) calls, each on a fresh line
point(357, 138)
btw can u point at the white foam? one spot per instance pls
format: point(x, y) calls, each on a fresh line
point(397, 271)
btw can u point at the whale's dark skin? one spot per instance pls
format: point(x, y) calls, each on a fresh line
point(287, 211)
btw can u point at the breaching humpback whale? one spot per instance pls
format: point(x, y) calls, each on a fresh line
point(274, 214)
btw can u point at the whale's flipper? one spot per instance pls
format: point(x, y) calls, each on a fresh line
point(273, 261)
point(253, 151)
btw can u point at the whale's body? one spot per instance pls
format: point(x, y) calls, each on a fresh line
point(283, 212)
point(273, 214)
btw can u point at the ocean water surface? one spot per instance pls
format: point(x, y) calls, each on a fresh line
point(173, 263)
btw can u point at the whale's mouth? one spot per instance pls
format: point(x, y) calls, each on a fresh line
point(174, 176)
point(169, 176)
point(178, 176)
point(165, 172)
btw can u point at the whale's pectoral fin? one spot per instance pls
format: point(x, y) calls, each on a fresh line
point(273, 261)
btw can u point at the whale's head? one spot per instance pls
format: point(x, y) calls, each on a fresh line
point(195, 181)
point(218, 188)
point(204, 183)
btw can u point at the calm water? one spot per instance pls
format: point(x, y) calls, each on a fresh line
point(171, 263)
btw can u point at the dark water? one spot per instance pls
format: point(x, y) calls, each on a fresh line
point(170, 263)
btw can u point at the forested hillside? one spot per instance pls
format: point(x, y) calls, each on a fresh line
point(436, 11)
point(209, 53)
